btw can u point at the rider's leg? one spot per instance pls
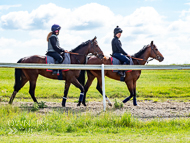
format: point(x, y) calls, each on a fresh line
point(123, 59)
point(58, 60)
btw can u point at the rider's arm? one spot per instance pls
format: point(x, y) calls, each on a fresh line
point(53, 41)
point(119, 47)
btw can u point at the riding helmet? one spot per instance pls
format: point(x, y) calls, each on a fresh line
point(55, 27)
point(117, 30)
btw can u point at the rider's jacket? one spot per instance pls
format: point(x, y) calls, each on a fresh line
point(53, 44)
point(117, 46)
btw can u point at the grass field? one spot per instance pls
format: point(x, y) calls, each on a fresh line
point(152, 84)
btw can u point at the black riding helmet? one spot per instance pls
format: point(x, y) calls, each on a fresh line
point(117, 30)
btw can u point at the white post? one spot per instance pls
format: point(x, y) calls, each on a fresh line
point(103, 88)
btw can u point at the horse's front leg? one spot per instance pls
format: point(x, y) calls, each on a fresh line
point(131, 90)
point(86, 87)
point(134, 97)
point(67, 85)
point(77, 84)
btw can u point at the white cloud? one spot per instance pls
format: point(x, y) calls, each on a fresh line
point(83, 23)
point(2, 7)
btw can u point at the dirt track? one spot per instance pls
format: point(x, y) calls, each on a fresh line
point(146, 109)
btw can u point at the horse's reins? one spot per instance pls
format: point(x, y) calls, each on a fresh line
point(138, 59)
point(75, 53)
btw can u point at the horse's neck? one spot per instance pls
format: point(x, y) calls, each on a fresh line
point(80, 59)
point(144, 56)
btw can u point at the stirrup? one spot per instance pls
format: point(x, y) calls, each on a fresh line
point(54, 72)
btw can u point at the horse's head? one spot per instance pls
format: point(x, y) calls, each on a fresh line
point(95, 49)
point(155, 53)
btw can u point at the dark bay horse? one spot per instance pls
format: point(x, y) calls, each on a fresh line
point(22, 76)
point(130, 78)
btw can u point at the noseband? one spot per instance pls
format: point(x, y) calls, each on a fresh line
point(157, 56)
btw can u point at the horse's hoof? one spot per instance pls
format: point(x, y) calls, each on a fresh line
point(78, 104)
point(136, 105)
point(110, 104)
point(84, 104)
point(63, 105)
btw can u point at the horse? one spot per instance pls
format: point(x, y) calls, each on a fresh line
point(140, 58)
point(22, 76)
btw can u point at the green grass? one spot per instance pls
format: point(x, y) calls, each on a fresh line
point(18, 125)
point(152, 84)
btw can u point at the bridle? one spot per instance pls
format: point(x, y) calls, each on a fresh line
point(152, 49)
point(100, 56)
point(91, 46)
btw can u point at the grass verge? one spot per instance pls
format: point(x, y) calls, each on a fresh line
point(17, 125)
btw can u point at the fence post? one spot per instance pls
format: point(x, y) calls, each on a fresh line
point(103, 88)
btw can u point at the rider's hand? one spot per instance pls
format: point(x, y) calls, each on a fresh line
point(129, 56)
point(66, 51)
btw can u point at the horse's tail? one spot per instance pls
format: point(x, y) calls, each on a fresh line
point(18, 74)
point(81, 77)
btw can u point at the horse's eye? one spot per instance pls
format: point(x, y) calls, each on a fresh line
point(156, 49)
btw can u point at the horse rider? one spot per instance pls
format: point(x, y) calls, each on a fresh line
point(117, 50)
point(54, 49)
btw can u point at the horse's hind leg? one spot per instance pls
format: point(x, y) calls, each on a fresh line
point(17, 88)
point(32, 90)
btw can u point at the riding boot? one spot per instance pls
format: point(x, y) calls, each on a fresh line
point(122, 75)
point(55, 71)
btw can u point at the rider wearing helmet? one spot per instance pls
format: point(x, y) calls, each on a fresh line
point(54, 49)
point(117, 49)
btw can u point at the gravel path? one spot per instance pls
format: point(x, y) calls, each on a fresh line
point(145, 110)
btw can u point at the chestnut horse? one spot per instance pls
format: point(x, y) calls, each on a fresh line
point(130, 78)
point(24, 75)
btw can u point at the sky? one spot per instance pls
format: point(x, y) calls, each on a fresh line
point(25, 25)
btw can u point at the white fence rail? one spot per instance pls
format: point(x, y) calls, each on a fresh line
point(95, 67)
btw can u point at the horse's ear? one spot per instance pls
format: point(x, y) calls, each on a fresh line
point(151, 43)
point(94, 38)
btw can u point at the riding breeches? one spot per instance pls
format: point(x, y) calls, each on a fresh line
point(122, 58)
point(56, 56)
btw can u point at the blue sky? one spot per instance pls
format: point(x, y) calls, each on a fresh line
point(24, 26)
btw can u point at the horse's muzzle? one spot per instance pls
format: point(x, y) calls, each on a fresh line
point(100, 56)
point(161, 59)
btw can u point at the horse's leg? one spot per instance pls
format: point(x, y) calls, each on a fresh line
point(86, 87)
point(17, 88)
point(99, 88)
point(67, 85)
point(32, 89)
point(77, 84)
point(32, 75)
point(131, 90)
point(134, 97)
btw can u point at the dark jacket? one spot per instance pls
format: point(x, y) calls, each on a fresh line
point(117, 46)
point(55, 44)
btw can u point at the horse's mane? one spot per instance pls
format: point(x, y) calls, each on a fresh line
point(81, 45)
point(139, 53)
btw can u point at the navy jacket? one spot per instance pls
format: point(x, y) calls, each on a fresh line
point(117, 46)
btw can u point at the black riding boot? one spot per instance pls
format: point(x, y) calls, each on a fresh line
point(55, 71)
point(122, 75)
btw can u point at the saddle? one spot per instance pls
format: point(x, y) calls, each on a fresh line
point(66, 60)
point(115, 61)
